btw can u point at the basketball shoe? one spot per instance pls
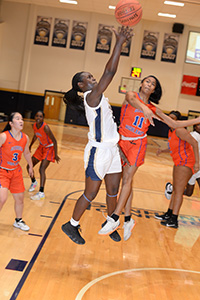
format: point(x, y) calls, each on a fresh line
point(170, 223)
point(38, 196)
point(73, 233)
point(33, 186)
point(168, 190)
point(110, 226)
point(128, 227)
point(163, 217)
point(21, 225)
point(114, 235)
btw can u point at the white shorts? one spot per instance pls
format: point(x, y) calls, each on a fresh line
point(101, 161)
point(194, 177)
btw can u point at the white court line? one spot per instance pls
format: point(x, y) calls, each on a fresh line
point(87, 286)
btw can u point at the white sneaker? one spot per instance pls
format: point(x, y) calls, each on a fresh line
point(168, 190)
point(33, 186)
point(128, 226)
point(38, 196)
point(21, 225)
point(110, 226)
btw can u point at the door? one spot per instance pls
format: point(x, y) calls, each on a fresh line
point(52, 106)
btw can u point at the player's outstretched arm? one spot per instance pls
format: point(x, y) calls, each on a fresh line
point(94, 97)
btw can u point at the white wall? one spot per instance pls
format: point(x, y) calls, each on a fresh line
point(35, 68)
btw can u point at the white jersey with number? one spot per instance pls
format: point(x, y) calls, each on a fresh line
point(102, 128)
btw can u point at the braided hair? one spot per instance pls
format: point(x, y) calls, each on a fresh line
point(71, 98)
point(157, 94)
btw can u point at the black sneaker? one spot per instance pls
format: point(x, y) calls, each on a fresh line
point(73, 233)
point(170, 223)
point(163, 217)
point(114, 235)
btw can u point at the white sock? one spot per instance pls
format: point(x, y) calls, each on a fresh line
point(74, 222)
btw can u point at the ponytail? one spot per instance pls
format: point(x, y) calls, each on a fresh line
point(71, 98)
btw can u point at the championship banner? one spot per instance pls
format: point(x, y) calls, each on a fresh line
point(149, 45)
point(42, 31)
point(190, 85)
point(78, 36)
point(60, 33)
point(104, 38)
point(170, 47)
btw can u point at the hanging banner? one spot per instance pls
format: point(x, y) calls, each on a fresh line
point(149, 45)
point(78, 36)
point(190, 85)
point(42, 31)
point(60, 33)
point(104, 38)
point(170, 47)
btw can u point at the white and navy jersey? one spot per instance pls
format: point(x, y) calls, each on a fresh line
point(196, 136)
point(102, 128)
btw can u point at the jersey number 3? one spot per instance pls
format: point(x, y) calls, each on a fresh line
point(15, 156)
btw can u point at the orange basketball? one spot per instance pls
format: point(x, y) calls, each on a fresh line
point(128, 12)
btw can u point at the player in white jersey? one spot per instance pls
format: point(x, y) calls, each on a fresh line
point(196, 176)
point(101, 157)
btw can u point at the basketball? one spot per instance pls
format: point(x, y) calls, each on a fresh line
point(128, 12)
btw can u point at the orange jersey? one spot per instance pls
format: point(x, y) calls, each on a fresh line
point(180, 151)
point(132, 120)
point(11, 151)
point(43, 138)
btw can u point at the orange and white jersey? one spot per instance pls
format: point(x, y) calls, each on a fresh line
point(43, 138)
point(11, 151)
point(132, 121)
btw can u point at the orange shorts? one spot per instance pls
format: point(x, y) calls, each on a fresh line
point(43, 153)
point(187, 163)
point(134, 150)
point(12, 180)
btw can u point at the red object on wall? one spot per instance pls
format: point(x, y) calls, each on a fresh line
point(189, 85)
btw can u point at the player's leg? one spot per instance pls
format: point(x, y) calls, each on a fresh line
point(42, 170)
point(19, 205)
point(71, 228)
point(181, 175)
point(189, 190)
point(127, 179)
point(34, 183)
point(129, 223)
point(112, 182)
point(3, 196)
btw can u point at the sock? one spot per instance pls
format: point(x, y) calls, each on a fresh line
point(174, 218)
point(169, 212)
point(127, 218)
point(74, 222)
point(18, 219)
point(41, 189)
point(115, 217)
point(33, 179)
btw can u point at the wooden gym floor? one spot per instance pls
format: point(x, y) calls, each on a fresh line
point(44, 264)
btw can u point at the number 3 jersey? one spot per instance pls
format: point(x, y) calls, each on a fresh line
point(11, 151)
point(132, 120)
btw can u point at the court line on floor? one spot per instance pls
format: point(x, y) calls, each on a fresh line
point(91, 283)
point(32, 261)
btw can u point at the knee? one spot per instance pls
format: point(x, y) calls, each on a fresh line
point(113, 190)
point(2, 201)
point(90, 196)
point(41, 170)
